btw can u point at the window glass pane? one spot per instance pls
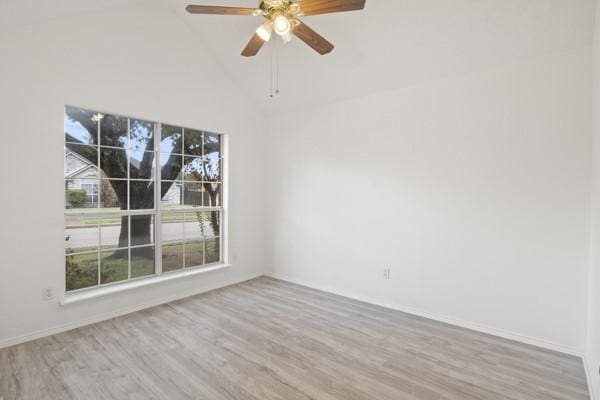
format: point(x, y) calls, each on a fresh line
point(171, 139)
point(113, 194)
point(200, 225)
point(170, 165)
point(81, 234)
point(81, 194)
point(194, 253)
point(141, 164)
point(172, 194)
point(172, 227)
point(142, 229)
point(113, 162)
point(172, 257)
point(114, 266)
point(172, 237)
point(81, 161)
point(141, 195)
point(212, 223)
point(113, 131)
point(194, 225)
point(212, 145)
point(213, 250)
point(114, 232)
point(212, 168)
point(212, 194)
point(212, 156)
point(192, 194)
point(193, 169)
point(141, 135)
point(81, 271)
point(142, 261)
point(80, 126)
point(192, 142)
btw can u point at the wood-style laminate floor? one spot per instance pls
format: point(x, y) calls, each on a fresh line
point(267, 339)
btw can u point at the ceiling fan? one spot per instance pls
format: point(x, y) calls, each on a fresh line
point(282, 18)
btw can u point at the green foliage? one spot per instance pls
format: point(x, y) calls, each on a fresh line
point(81, 271)
point(76, 197)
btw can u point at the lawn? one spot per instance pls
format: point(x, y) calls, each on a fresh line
point(82, 269)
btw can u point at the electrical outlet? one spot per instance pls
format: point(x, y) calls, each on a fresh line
point(48, 294)
point(387, 274)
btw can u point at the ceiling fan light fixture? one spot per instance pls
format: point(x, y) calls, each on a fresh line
point(282, 17)
point(282, 25)
point(265, 31)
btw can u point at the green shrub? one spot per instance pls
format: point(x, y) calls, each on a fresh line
point(81, 271)
point(76, 197)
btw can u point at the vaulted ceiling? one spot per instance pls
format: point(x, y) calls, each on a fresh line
point(391, 44)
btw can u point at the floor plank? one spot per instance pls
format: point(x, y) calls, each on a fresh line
point(268, 339)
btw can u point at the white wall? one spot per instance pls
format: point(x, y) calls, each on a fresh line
point(116, 59)
point(592, 354)
point(473, 189)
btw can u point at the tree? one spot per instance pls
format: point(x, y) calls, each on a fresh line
point(113, 163)
point(76, 197)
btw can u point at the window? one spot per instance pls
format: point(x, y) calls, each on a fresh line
point(91, 192)
point(141, 198)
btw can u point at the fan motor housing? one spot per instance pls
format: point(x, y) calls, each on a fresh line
point(271, 6)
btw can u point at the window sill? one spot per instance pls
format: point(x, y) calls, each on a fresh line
point(108, 290)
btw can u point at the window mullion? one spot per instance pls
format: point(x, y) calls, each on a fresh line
point(128, 161)
point(202, 154)
point(99, 205)
point(157, 201)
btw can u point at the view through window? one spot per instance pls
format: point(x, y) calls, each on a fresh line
point(141, 198)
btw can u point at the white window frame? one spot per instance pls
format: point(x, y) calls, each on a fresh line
point(157, 213)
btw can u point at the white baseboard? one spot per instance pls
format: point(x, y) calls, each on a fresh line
point(449, 320)
point(589, 370)
point(108, 315)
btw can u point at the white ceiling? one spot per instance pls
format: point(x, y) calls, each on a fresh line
point(394, 43)
point(391, 44)
point(27, 12)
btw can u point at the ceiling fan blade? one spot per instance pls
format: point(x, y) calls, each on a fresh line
point(316, 7)
point(253, 46)
point(312, 38)
point(196, 9)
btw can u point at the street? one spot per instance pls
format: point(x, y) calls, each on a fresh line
point(87, 237)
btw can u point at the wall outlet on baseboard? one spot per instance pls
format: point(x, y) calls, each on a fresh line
point(47, 294)
point(387, 274)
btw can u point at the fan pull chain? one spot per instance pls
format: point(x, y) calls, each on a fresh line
point(274, 70)
point(271, 94)
point(277, 69)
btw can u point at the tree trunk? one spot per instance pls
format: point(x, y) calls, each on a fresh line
point(124, 235)
point(120, 189)
point(141, 229)
point(141, 234)
point(214, 216)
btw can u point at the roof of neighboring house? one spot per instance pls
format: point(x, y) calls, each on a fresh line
point(80, 171)
point(87, 164)
point(136, 163)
